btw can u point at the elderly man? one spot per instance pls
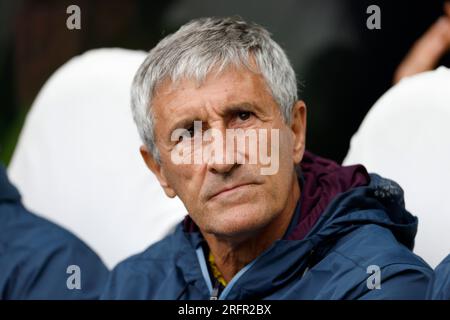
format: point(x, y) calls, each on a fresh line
point(290, 225)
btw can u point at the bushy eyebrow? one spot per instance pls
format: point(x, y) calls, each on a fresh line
point(234, 108)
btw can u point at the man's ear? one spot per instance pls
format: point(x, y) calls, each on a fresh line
point(298, 127)
point(157, 170)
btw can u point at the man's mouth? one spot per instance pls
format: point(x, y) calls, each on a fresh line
point(229, 190)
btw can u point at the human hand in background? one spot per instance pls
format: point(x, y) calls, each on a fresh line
point(428, 49)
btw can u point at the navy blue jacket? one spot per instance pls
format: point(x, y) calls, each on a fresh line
point(35, 255)
point(361, 230)
point(440, 286)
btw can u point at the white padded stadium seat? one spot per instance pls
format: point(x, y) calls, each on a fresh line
point(77, 161)
point(406, 137)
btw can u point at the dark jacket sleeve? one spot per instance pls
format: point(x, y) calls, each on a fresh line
point(398, 282)
point(40, 260)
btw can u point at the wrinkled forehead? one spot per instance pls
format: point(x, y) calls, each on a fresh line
point(220, 87)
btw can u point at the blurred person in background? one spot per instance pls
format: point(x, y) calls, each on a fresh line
point(40, 260)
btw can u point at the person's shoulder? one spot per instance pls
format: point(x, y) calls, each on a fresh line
point(26, 230)
point(371, 255)
point(44, 253)
point(376, 229)
point(373, 244)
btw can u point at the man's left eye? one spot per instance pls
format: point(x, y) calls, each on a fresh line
point(244, 115)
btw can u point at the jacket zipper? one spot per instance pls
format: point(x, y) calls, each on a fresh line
point(215, 292)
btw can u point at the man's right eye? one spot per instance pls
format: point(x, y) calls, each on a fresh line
point(187, 134)
point(191, 130)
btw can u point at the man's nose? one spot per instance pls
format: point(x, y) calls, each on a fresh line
point(222, 161)
point(222, 168)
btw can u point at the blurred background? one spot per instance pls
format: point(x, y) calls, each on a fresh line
point(343, 67)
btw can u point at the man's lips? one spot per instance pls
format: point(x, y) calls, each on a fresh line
point(226, 189)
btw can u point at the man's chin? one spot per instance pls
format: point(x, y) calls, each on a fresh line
point(236, 224)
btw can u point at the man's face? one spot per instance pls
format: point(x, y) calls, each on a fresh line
point(226, 199)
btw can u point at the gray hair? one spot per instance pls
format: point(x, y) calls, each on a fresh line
point(198, 47)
